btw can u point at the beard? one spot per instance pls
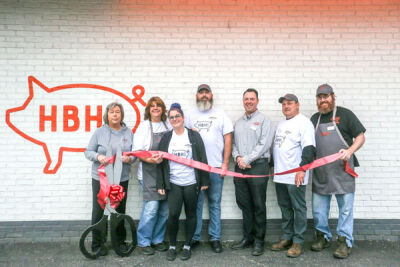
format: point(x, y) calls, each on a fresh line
point(204, 105)
point(331, 106)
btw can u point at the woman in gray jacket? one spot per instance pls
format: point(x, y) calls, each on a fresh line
point(114, 132)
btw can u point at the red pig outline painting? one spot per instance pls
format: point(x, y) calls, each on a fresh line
point(32, 80)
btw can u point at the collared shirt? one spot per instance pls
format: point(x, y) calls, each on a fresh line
point(253, 137)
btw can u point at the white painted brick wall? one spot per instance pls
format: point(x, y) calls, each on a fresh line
point(170, 47)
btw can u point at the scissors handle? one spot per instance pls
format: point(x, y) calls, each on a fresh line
point(100, 227)
point(116, 219)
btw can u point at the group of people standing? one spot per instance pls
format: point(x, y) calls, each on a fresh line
point(206, 134)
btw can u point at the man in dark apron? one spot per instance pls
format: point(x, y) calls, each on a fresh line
point(336, 129)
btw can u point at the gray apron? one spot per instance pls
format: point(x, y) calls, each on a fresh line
point(150, 171)
point(332, 178)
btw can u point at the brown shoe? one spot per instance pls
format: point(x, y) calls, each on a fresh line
point(282, 245)
point(295, 250)
point(320, 243)
point(342, 251)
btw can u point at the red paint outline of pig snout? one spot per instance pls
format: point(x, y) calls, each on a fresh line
point(32, 80)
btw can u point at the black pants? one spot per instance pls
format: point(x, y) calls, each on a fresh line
point(176, 197)
point(97, 214)
point(250, 197)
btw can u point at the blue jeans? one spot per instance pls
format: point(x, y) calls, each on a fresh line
point(320, 210)
point(214, 193)
point(152, 224)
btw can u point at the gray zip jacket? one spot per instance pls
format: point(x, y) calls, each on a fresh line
point(99, 142)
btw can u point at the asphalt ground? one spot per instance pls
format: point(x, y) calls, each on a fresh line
point(364, 253)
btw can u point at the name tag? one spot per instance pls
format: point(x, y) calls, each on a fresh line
point(331, 128)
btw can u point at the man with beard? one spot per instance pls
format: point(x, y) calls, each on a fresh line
point(294, 146)
point(335, 129)
point(215, 128)
point(253, 134)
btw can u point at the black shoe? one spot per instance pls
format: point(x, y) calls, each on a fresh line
point(216, 246)
point(244, 243)
point(147, 250)
point(171, 254)
point(123, 246)
point(258, 249)
point(185, 254)
point(160, 246)
point(194, 244)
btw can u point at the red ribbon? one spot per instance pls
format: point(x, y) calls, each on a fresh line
point(113, 194)
point(204, 167)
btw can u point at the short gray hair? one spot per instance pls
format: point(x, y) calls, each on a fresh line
point(111, 106)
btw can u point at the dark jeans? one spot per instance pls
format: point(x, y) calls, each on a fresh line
point(292, 201)
point(97, 214)
point(251, 194)
point(176, 197)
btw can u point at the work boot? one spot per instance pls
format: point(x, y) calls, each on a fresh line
point(320, 243)
point(282, 245)
point(342, 251)
point(295, 250)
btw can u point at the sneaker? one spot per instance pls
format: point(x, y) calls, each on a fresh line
point(171, 254)
point(160, 246)
point(282, 245)
point(185, 254)
point(147, 250)
point(320, 243)
point(295, 250)
point(342, 251)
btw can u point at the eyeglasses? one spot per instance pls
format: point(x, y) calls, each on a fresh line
point(323, 96)
point(177, 116)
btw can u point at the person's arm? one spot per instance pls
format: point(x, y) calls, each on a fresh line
point(204, 176)
point(357, 144)
point(227, 151)
point(91, 150)
point(307, 156)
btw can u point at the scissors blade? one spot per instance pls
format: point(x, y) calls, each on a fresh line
point(118, 166)
point(109, 167)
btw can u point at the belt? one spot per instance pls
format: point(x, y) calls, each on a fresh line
point(260, 160)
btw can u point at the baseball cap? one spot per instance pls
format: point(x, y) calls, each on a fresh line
point(290, 97)
point(203, 86)
point(324, 89)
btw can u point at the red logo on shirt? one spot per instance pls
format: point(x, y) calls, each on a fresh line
point(325, 133)
point(336, 120)
point(256, 123)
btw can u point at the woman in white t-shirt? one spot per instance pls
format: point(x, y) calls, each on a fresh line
point(152, 224)
point(181, 183)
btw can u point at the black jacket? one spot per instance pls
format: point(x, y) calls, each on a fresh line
point(199, 154)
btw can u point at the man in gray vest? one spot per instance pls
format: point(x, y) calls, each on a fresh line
point(336, 129)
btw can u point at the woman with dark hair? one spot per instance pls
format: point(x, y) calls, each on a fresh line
point(115, 133)
point(181, 183)
point(152, 224)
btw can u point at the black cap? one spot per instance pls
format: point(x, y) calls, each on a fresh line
point(290, 97)
point(203, 86)
point(324, 89)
